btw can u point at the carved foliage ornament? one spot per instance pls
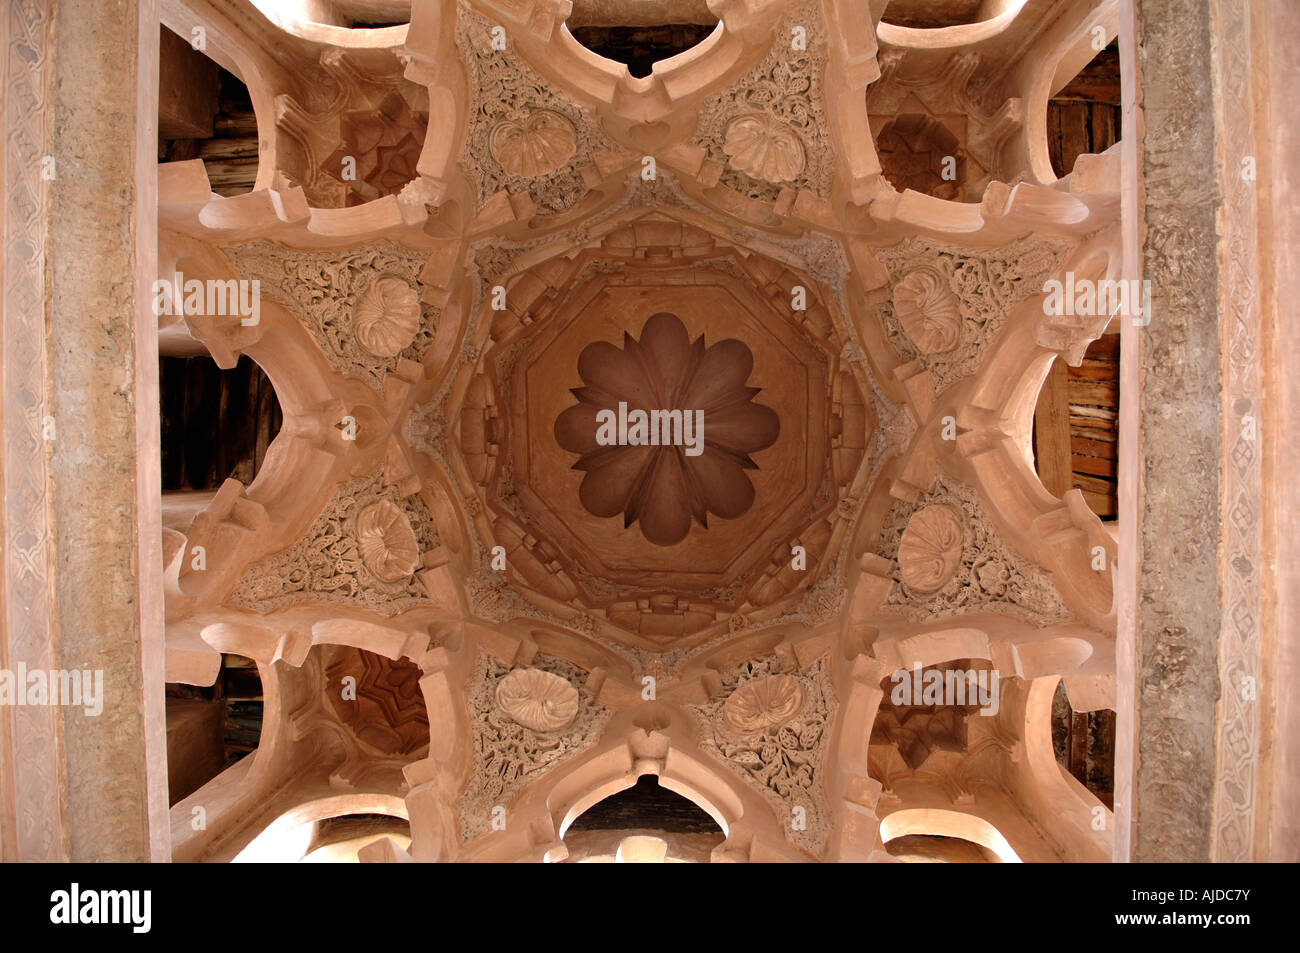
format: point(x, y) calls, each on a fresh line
point(326, 288)
point(386, 542)
point(534, 146)
point(987, 574)
point(927, 309)
point(386, 317)
point(508, 756)
point(779, 745)
point(537, 700)
point(764, 147)
point(930, 549)
point(763, 704)
point(327, 564)
point(987, 283)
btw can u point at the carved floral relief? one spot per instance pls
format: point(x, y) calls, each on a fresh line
point(537, 700)
point(387, 542)
point(764, 704)
point(386, 317)
point(930, 549)
point(534, 146)
point(927, 310)
point(764, 147)
point(660, 487)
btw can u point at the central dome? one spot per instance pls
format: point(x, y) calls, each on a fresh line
point(664, 428)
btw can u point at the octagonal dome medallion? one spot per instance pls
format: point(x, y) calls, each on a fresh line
point(653, 517)
point(664, 428)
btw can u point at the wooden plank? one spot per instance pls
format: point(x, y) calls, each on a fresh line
point(1096, 466)
point(1106, 449)
point(1054, 138)
point(1074, 133)
point(1052, 431)
point(227, 149)
point(1093, 484)
point(239, 169)
point(1078, 745)
point(1098, 82)
point(182, 150)
point(1095, 371)
point(1101, 126)
point(1103, 504)
point(188, 89)
point(1104, 348)
point(1098, 414)
point(173, 461)
point(200, 412)
point(1093, 393)
point(264, 400)
point(235, 125)
point(1094, 428)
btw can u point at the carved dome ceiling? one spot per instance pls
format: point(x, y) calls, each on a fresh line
point(717, 237)
point(665, 468)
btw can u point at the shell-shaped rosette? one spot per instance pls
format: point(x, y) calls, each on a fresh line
point(762, 705)
point(928, 310)
point(764, 147)
point(534, 146)
point(386, 542)
point(386, 316)
point(930, 550)
point(537, 700)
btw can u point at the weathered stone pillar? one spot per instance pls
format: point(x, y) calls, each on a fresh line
point(82, 580)
point(1206, 638)
point(31, 795)
point(1276, 77)
point(1177, 677)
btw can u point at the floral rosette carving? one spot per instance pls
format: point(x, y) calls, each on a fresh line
point(762, 705)
point(927, 310)
point(930, 549)
point(534, 146)
point(661, 487)
point(387, 316)
point(537, 700)
point(764, 147)
point(386, 542)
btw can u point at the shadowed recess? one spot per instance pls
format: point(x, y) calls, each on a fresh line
point(646, 805)
point(640, 47)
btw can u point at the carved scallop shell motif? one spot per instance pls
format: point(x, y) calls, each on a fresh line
point(534, 146)
point(386, 316)
point(537, 700)
point(763, 704)
point(930, 550)
point(386, 542)
point(764, 147)
point(927, 309)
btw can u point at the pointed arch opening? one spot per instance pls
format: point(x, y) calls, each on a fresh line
point(644, 823)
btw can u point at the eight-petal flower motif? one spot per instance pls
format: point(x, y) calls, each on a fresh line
point(661, 487)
